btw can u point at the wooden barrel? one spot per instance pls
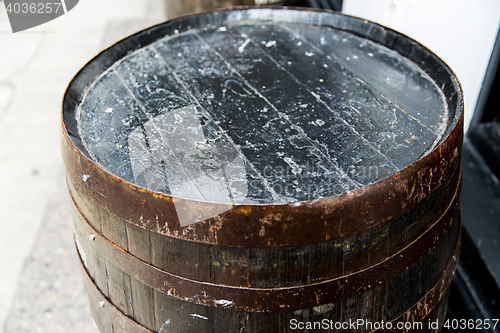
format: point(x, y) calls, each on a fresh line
point(265, 170)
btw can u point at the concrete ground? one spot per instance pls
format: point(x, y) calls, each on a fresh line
point(40, 285)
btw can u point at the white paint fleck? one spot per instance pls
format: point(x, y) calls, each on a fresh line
point(299, 43)
point(322, 309)
point(320, 80)
point(344, 40)
point(224, 302)
point(164, 327)
point(126, 122)
point(304, 105)
point(262, 231)
point(80, 250)
point(85, 178)
point(320, 122)
point(370, 54)
point(198, 316)
point(178, 119)
point(309, 54)
point(296, 169)
point(355, 56)
point(176, 31)
point(271, 43)
point(264, 110)
point(109, 110)
point(222, 29)
point(315, 95)
point(179, 54)
point(322, 40)
point(325, 65)
point(242, 47)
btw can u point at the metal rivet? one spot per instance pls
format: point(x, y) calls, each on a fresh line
point(101, 304)
point(92, 237)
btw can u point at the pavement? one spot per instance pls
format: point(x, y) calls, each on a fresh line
point(40, 285)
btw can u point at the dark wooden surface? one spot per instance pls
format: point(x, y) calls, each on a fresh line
point(261, 113)
point(179, 142)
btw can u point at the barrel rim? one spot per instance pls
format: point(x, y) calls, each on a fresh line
point(453, 124)
point(445, 155)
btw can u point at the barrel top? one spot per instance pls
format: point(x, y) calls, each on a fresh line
point(244, 107)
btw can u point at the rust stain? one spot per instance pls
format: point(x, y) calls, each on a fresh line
point(330, 218)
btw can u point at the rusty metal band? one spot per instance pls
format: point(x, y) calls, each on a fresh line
point(271, 299)
point(417, 313)
point(422, 309)
point(120, 321)
point(436, 204)
point(292, 224)
point(426, 304)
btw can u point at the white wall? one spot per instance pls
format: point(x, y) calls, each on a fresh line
point(461, 32)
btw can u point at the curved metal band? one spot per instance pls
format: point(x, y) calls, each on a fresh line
point(421, 310)
point(417, 313)
point(291, 224)
point(120, 321)
point(272, 299)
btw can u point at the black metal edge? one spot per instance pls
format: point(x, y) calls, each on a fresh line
point(486, 87)
point(475, 294)
point(485, 138)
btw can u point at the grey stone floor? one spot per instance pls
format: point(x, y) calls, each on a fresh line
point(50, 295)
point(40, 285)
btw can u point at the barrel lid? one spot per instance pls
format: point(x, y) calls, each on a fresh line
point(259, 106)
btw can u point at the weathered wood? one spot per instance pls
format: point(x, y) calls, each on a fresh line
point(236, 170)
point(277, 266)
point(420, 276)
point(95, 263)
point(173, 255)
point(119, 287)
